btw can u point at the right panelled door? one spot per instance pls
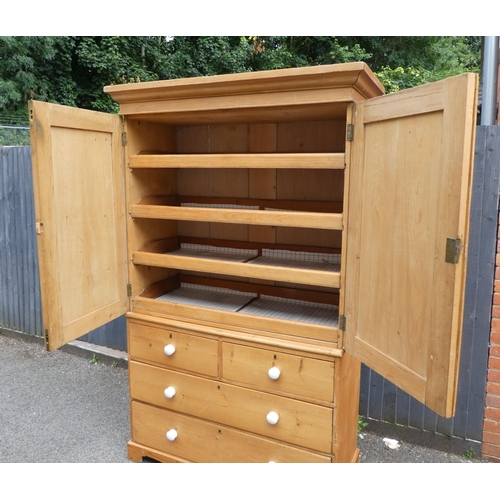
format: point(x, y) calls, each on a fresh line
point(408, 215)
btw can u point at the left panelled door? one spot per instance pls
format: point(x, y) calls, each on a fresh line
point(79, 185)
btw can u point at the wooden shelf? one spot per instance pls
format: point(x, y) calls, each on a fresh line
point(244, 270)
point(239, 216)
point(318, 321)
point(287, 271)
point(271, 160)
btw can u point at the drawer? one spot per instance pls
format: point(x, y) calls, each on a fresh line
point(201, 441)
point(299, 423)
point(195, 354)
point(297, 375)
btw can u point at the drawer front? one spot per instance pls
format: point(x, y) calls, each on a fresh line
point(195, 354)
point(299, 423)
point(296, 375)
point(200, 441)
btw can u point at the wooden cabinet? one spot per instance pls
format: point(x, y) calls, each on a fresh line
point(264, 233)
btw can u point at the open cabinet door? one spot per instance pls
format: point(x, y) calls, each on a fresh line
point(409, 202)
point(78, 170)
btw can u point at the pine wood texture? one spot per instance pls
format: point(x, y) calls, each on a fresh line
point(80, 207)
point(300, 376)
point(286, 95)
point(203, 441)
point(254, 161)
point(238, 403)
point(272, 326)
point(258, 165)
point(410, 182)
point(238, 216)
point(345, 433)
point(142, 135)
point(319, 349)
point(192, 353)
point(302, 424)
point(246, 270)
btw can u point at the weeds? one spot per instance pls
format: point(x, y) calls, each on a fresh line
point(94, 359)
point(361, 424)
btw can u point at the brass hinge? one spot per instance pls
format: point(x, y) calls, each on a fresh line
point(350, 132)
point(124, 138)
point(31, 117)
point(453, 248)
point(129, 290)
point(46, 339)
point(342, 323)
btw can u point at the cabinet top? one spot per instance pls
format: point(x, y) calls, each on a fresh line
point(354, 81)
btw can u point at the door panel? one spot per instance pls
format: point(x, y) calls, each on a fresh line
point(410, 184)
point(78, 168)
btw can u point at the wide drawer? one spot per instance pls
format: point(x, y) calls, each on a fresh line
point(191, 353)
point(201, 441)
point(276, 371)
point(299, 423)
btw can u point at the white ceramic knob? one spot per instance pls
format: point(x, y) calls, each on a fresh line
point(171, 435)
point(274, 373)
point(169, 349)
point(169, 392)
point(272, 417)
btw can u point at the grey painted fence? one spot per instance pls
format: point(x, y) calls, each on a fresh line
point(20, 303)
point(20, 308)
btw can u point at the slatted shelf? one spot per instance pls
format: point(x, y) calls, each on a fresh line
point(250, 303)
point(266, 267)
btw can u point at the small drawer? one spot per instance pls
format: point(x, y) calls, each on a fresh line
point(276, 371)
point(201, 441)
point(295, 422)
point(173, 349)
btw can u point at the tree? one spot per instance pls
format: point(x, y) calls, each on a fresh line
point(73, 70)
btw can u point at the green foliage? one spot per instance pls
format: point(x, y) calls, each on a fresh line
point(441, 58)
point(14, 130)
point(203, 55)
point(469, 454)
point(73, 70)
point(403, 78)
point(95, 359)
point(361, 424)
point(10, 136)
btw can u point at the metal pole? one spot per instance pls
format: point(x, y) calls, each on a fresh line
point(489, 77)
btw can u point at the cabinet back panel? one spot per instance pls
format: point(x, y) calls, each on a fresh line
point(151, 182)
point(192, 139)
point(229, 138)
point(147, 136)
point(311, 137)
point(301, 184)
point(302, 236)
point(262, 138)
point(295, 137)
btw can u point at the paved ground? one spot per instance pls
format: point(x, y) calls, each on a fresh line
point(61, 407)
point(374, 450)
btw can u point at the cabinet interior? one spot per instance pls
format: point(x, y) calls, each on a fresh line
point(222, 229)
